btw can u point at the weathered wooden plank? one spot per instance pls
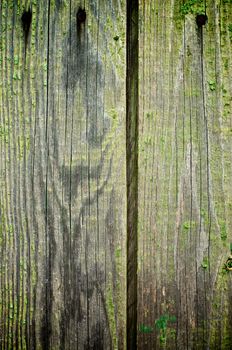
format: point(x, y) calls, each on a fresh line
point(63, 175)
point(184, 175)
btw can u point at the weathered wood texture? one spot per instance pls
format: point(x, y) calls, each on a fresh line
point(185, 176)
point(63, 174)
point(71, 189)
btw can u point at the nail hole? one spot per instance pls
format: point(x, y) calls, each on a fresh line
point(26, 21)
point(81, 16)
point(201, 20)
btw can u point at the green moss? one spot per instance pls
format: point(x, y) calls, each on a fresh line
point(24, 145)
point(212, 85)
point(118, 253)
point(193, 6)
point(113, 114)
point(116, 47)
point(188, 224)
point(16, 59)
point(205, 263)
point(1, 235)
point(223, 230)
point(203, 213)
point(16, 76)
point(111, 315)
point(162, 325)
point(4, 133)
point(145, 329)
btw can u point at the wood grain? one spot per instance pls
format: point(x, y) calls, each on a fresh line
point(185, 176)
point(83, 171)
point(63, 175)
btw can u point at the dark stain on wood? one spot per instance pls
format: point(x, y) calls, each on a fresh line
point(81, 15)
point(132, 169)
point(80, 18)
point(201, 20)
point(26, 23)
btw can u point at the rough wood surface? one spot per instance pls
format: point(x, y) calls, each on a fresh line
point(72, 196)
point(62, 174)
point(185, 197)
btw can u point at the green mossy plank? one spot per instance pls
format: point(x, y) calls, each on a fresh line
point(62, 175)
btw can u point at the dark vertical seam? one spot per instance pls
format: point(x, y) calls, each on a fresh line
point(12, 211)
point(14, 215)
point(66, 274)
point(47, 250)
point(34, 216)
point(142, 128)
point(191, 168)
point(1, 208)
point(97, 251)
point(184, 117)
point(70, 253)
point(6, 205)
point(132, 168)
point(3, 221)
point(71, 151)
point(88, 179)
point(1, 205)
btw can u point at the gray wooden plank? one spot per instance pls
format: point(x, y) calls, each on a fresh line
point(63, 175)
point(184, 176)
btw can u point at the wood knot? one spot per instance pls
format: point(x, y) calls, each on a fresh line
point(81, 16)
point(201, 20)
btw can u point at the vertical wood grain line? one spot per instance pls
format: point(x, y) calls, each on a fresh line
point(132, 169)
point(46, 327)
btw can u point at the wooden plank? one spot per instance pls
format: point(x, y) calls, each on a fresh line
point(184, 293)
point(63, 175)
